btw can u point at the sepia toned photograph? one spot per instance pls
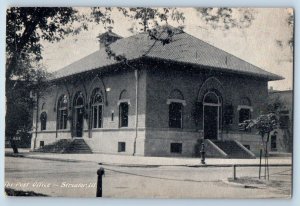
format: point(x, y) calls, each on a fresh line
point(140, 102)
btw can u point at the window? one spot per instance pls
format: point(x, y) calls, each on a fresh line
point(284, 120)
point(112, 115)
point(123, 116)
point(176, 102)
point(43, 119)
point(176, 148)
point(121, 146)
point(244, 109)
point(175, 115)
point(62, 112)
point(97, 108)
point(244, 114)
point(42, 143)
point(211, 98)
point(273, 143)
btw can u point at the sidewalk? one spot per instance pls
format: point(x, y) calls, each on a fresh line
point(124, 160)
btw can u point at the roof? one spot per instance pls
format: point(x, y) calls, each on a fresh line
point(183, 48)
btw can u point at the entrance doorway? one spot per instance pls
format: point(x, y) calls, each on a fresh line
point(79, 122)
point(211, 110)
point(79, 114)
point(210, 122)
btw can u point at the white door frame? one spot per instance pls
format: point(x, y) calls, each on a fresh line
point(218, 105)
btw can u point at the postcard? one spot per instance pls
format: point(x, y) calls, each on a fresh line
point(143, 102)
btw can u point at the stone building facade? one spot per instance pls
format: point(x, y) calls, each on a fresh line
point(159, 102)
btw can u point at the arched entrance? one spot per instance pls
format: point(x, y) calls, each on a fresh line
point(79, 114)
point(211, 118)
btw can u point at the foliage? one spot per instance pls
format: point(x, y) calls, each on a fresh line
point(264, 123)
point(227, 18)
point(19, 103)
point(27, 26)
point(290, 20)
point(276, 105)
point(149, 18)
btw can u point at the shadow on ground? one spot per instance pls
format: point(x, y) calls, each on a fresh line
point(12, 192)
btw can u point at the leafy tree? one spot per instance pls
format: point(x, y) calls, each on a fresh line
point(25, 28)
point(227, 18)
point(264, 124)
point(276, 105)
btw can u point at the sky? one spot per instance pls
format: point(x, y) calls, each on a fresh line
point(256, 44)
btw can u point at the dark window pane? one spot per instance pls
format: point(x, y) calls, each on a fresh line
point(284, 121)
point(64, 119)
point(175, 115)
point(62, 112)
point(124, 114)
point(79, 101)
point(99, 116)
point(211, 98)
point(43, 119)
point(112, 116)
point(176, 147)
point(98, 99)
point(121, 146)
point(273, 143)
point(94, 116)
point(244, 114)
point(60, 121)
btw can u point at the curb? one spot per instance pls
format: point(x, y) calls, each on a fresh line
point(142, 165)
point(240, 185)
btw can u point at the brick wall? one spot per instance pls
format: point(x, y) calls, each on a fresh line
point(103, 139)
point(193, 85)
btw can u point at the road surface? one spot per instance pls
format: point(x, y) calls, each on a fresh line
point(78, 179)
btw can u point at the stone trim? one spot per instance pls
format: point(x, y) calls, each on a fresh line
point(244, 107)
point(123, 101)
point(183, 102)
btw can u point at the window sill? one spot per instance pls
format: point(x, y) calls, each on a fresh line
point(62, 130)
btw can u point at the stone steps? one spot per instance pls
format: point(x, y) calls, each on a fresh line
point(233, 149)
point(75, 146)
point(78, 146)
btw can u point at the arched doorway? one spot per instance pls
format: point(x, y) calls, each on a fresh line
point(211, 108)
point(79, 113)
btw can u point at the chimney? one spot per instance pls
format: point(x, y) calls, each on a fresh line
point(271, 89)
point(107, 38)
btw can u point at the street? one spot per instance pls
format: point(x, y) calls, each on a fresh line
point(78, 179)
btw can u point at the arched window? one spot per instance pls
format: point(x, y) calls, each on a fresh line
point(79, 100)
point(97, 108)
point(62, 112)
point(123, 109)
point(245, 110)
point(43, 119)
point(176, 102)
point(123, 115)
point(211, 98)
